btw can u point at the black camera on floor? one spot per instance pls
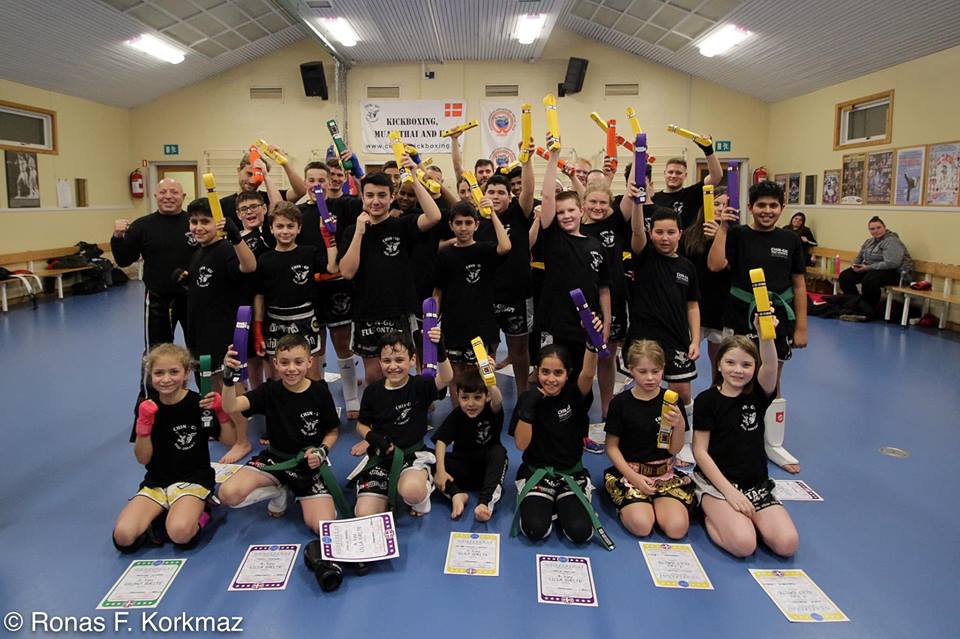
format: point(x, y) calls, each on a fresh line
point(329, 575)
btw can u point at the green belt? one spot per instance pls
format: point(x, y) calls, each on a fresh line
point(396, 466)
point(567, 476)
point(783, 299)
point(326, 475)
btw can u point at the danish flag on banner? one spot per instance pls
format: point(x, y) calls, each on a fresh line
point(453, 110)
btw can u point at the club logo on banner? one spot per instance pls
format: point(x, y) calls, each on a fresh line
point(501, 131)
point(418, 121)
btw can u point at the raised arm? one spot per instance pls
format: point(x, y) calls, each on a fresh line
point(350, 262)
point(638, 235)
point(431, 215)
point(528, 185)
point(456, 156)
point(713, 164)
point(548, 205)
point(503, 238)
point(717, 257)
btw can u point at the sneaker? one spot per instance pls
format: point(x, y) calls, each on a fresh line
point(592, 447)
point(852, 317)
point(277, 507)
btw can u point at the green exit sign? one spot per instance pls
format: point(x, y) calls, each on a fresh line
point(174, 149)
point(723, 146)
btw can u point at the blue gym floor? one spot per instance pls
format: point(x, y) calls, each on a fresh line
point(883, 544)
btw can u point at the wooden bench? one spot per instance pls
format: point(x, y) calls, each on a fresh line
point(27, 259)
point(931, 271)
point(827, 271)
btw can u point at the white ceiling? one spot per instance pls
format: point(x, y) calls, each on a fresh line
point(76, 46)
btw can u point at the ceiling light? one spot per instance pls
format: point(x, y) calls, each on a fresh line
point(529, 26)
point(340, 29)
point(723, 40)
point(157, 48)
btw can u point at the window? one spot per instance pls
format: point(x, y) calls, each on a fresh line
point(866, 121)
point(27, 128)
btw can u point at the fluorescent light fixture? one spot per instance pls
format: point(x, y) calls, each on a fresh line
point(529, 26)
point(156, 47)
point(721, 41)
point(340, 29)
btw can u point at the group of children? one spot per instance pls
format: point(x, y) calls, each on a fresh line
point(656, 275)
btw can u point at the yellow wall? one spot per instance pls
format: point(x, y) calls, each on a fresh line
point(801, 139)
point(94, 143)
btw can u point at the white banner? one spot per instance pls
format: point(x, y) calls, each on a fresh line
point(418, 121)
point(500, 123)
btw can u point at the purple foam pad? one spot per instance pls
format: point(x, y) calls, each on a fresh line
point(430, 319)
point(325, 216)
point(733, 185)
point(586, 319)
point(240, 336)
point(640, 167)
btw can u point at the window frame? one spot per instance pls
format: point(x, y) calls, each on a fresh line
point(45, 114)
point(842, 111)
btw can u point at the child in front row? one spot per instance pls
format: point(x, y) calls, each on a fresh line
point(641, 483)
point(479, 460)
point(728, 442)
point(171, 442)
point(300, 417)
point(392, 423)
point(550, 423)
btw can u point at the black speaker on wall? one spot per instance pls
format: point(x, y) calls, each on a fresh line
point(576, 72)
point(314, 81)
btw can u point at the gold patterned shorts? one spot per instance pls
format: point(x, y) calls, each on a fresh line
point(669, 484)
point(167, 496)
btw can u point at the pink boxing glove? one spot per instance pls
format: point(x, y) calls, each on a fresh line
point(217, 407)
point(146, 413)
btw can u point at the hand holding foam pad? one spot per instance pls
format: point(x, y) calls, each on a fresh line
point(254, 155)
point(696, 137)
point(709, 214)
point(477, 194)
point(733, 185)
point(586, 319)
point(430, 319)
point(483, 362)
point(568, 170)
point(612, 143)
point(526, 132)
point(241, 334)
point(273, 154)
point(396, 143)
point(412, 152)
point(640, 167)
point(339, 143)
point(206, 375)
point(428, 182)
point(460, 128)
point(670, 399)
point(762, 298)
point(213, 198)
point(325, 216)
point(553, 121)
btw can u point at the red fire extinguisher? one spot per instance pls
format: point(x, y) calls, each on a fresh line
point(136, 184)
point(760, 175)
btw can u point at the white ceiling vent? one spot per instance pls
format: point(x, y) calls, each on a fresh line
point(621, 89)
point(501, 90)
point(266, 93)
point(383, 92)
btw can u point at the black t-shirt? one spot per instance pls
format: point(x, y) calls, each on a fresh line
point(179, 438)
point(310, 226)
point(465, 277)
point(512, 281)
point(778, 252)
point(661, 289)
point(570, 261)
point(345, 210)
point(384, 284)
point(286, 277)
point(559, 426)
point(637, 423)
point(400, 413)
point(165, 243)
point(736, 433)
point(614, 233)
point(470, 436)
point(425, 255)
point(686, 202)
point(294, 420)
point(215, 290)
point(258, 246)
point(714, 287)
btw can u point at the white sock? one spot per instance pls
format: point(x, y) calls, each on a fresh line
point(348, 379)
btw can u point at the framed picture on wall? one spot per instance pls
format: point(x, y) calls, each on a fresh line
point(23, 182)
point(943, 174)
point(851, 179)
point(810, 189)
point(831, 187)
point(880, 177)
point(793, 188)
point(781, 179)
point(909, 176)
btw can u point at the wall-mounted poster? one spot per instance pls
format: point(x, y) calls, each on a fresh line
point(831, 186)
point(943, 174)
point(851, 180)
point(909, 176)
point(810, 189)
point(781, 179)
point(793, 188)
point(23, 183)
point(880, 177)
